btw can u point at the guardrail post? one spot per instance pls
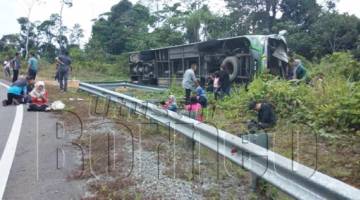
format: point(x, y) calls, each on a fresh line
point(96, 105)
point(107, 104)
point(262, 139)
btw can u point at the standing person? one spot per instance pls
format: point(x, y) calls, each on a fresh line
point(216, 85)
point(16, 64)
point(189, 81)
point(16, 93)
point(6, 67)
point(32, 66)
point(64, 66)
point(224, 81)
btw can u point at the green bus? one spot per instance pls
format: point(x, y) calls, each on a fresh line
point(244, 57)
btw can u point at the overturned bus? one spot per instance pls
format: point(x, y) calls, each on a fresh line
point(243, 56)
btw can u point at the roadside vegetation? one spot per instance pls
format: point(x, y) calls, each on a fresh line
point(326, 110)
point(321, 116)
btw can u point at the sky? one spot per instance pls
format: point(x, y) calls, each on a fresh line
point(83, 11)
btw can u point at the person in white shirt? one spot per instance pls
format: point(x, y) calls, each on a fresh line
point(189, 82)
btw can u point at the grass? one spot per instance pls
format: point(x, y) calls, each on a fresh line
point(333, 158)
point(47, 72)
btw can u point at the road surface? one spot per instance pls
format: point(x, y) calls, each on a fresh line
point(28, 148)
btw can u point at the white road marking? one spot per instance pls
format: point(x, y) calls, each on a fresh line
point(8, 155)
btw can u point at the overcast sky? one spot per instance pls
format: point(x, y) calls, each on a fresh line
point(83, 11)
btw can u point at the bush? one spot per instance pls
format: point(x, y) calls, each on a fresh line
point(100, 62)
point(331, 105)
point(340, 63)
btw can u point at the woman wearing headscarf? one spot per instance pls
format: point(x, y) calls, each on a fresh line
point(170, 104)
point(39, 98)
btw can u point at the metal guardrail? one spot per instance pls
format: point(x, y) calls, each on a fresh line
point(113, 85)
point(293, 178)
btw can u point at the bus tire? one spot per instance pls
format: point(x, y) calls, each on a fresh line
point(234, 62)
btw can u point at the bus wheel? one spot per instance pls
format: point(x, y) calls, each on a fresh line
point(232, 66)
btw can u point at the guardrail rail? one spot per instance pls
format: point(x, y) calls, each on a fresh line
point(113, 85)
point(295, 179)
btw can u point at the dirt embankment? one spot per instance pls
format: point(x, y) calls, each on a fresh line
point(126, 157)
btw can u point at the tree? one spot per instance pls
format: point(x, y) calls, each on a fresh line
point(8, 42)
point(62, 28)
point(76, 34)
point(259, 16)
point(28, 36)
point(302, 13)
point(336, 32)
point(118, 30)
point(30, 5)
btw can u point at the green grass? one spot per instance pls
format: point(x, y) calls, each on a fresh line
point(47, 71)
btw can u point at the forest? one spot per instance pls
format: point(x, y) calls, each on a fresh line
point(314, 30)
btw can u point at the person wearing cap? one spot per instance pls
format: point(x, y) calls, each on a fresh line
point(266, 117)
point(39, 97)
point(17, 91)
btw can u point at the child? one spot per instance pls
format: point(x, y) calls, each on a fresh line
point(170, 104)
point(216, 85)
point(201, 96)
point(194, 109)
point(39, 98)
point(6, 67)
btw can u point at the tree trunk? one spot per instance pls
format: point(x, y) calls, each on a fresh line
point(28, 31)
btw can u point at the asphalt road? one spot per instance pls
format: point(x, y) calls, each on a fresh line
point(28, 149)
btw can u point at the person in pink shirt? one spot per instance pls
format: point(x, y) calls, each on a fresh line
point(195, 109)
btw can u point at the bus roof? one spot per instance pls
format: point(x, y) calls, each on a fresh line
point(249, 37)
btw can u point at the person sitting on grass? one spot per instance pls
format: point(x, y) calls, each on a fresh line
point(17, 92)
point(201, 95)
point(194, 109)
point(266, 117)
point(170, 104)
point(39, 98)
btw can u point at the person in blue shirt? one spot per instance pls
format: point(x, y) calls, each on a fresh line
point(201, 95)
point(33, 66)
point(17, 91)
